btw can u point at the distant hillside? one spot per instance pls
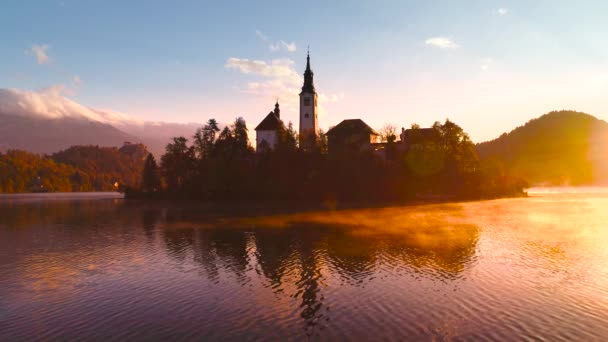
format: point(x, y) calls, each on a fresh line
point(558, 148)
point(106, 165)
point(79, 168)
point(47, 135)
point(47, 122)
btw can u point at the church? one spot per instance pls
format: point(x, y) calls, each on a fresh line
point(267, 132)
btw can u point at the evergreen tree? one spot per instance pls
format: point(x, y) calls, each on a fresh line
point(177, 163)
point(204, 139)
point(151, 180)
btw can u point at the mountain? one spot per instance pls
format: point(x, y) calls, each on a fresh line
point(558, 148)
point(42, 135)
point(47, 122)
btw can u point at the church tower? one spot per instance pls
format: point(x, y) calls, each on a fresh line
point(309, 124)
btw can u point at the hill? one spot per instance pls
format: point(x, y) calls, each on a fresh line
point(106, 165)
point(42, 135)
point(47, 122)
point(79, 168)
point(558, 148)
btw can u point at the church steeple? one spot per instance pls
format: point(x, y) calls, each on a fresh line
point(277, 111)
point(309, 124)
point(308, 86)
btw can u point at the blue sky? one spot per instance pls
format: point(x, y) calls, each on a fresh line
point(487, 65)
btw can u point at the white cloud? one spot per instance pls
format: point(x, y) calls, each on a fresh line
point(48, 103)
point(486, 63)
point(291, 47)
point(278, 79)
point(261, 35)
point(278, 45)
point(442, 43)
point(274, 47)
point(40, 52)
point(277, 68)
point(501, 11)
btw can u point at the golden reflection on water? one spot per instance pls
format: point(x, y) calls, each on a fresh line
point(493, 269)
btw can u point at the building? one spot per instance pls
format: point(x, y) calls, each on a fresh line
point(353, 135)
point(267, 132)
point(410, 137)
point(309, 123)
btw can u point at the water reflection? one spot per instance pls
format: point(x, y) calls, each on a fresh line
point(297, 254)
point(431, 271)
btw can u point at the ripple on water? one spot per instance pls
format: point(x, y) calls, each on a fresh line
point(495, 270)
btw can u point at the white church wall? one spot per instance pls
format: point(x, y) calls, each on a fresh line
point(269, 136)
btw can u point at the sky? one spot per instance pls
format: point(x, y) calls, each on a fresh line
point(487, 65)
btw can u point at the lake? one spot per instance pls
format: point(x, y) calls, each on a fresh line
point(95, 266)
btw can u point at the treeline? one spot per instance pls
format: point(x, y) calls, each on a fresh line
point(558, 148)
point(79, 168)
point(221, 165)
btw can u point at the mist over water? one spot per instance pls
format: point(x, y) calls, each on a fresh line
point(113, 269)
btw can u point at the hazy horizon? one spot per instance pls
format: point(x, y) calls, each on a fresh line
point(489, 66)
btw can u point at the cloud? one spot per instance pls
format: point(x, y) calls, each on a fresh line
point(261, 35)
point(442, 43)
point(76, 80)
point(276, 79)
point(40, 52)
point(277, 68)
point(291, 47)
point(276, 46)
point(502, 11)
point(486, 63)
point(47, 103)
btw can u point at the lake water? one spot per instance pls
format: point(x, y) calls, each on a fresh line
point(99, 267)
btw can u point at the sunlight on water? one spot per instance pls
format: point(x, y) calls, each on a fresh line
point(111, 269)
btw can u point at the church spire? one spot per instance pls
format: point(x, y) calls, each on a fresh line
point(308, 86)
point(277, 111)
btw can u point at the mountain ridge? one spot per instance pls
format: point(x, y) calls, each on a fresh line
point(47, 122)
point(558, 148)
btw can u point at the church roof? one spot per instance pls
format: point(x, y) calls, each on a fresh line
point(270, 123)
point(351, 126)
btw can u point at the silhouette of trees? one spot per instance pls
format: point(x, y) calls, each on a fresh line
point(388, 133)
point(221, 166)
point(204, 138)
point(177, 163)
point(151, 177)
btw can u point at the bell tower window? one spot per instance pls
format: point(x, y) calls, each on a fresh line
point(307, 101)
point(306, 115)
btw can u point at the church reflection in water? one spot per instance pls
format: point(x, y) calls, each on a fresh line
point(298, 258)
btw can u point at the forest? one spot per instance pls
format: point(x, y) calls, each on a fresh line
point(221, 165)
point(78, 168)
point(558, 148)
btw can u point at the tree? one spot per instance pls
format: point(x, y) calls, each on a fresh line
point(177, 163)
point(388, 133)
point(288, 139)
point(322, 142)
point(241, 136)
point(151, 177)
point(204, 138)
